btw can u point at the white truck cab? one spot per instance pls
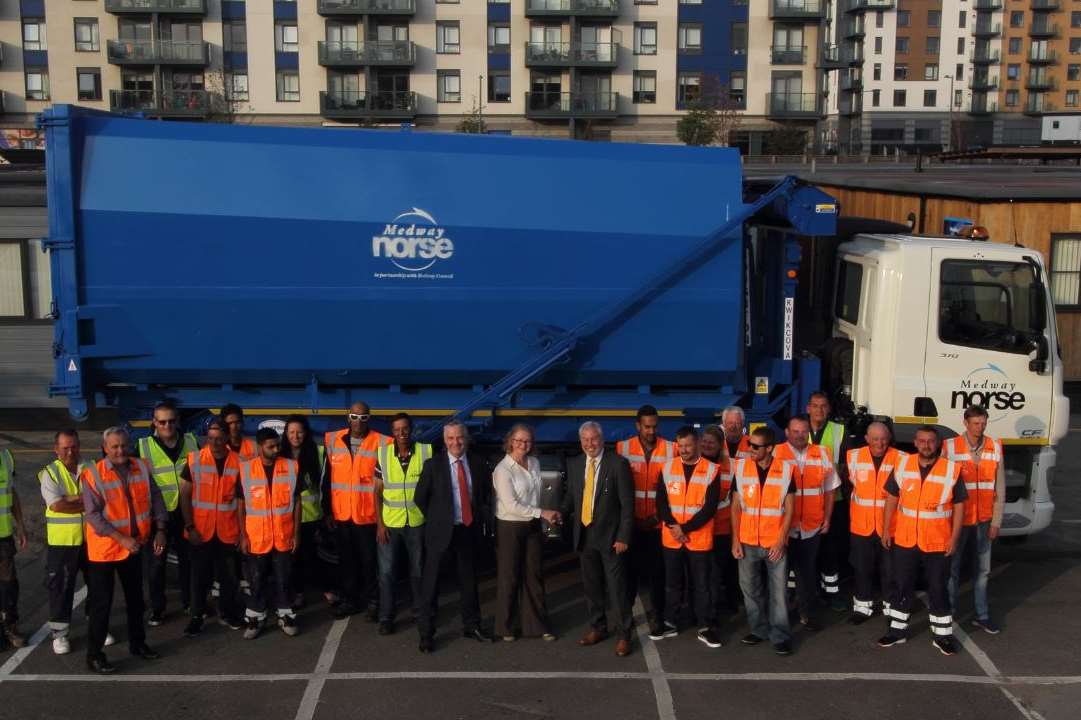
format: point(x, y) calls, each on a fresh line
point(938, 324)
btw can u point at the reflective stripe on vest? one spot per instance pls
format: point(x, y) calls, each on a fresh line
point(213, 497)
point(867, 507)
point(269, 505)
point(352, 489)
point(102, 478)
point(685, 499)
point(311, 508)
point(832, 438)
point(925, 506)
point(7, 497)
point(761, 508)
point(645, 473)
point(63, 529)
point(399, 509)
point(722, 521)
point(979, 477)
point(809, 508)
point(166, 472)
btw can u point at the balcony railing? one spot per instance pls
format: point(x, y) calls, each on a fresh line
point(850, 105)
point(360, 105)
point(565, 54)
point(334, 53)
point(1045, 5)
point(170, 103)
point(1043, 30)
point(987, 29)
point(983, 84)
point(854, 29)
point(796, 9)
point(1041, 82)
point(786, 55)
point(865, 5)
point(568, 105)
point(852, 83)
point(985, 57)
point(832, 57)
point(793, 105)
point(164, 7)
point(586, 8)
point(988, 5)
point(984, 106)
point(1035, 104)
point(1042, 55)
point(160, 52)
point(367, 7)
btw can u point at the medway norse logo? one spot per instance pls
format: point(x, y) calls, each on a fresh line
point(413, 241)
point(990, 387)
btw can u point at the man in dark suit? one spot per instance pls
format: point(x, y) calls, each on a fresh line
point(601, 498)
point(454, 493)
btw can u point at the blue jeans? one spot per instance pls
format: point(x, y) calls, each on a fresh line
point(975, 541)
point(756, 571)
point(410, 541)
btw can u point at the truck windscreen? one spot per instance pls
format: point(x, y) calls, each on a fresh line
point(987, 304)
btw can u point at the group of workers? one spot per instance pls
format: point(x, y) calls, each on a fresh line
point(679, 520)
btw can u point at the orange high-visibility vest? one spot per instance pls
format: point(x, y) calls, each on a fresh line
point(687, 498)
point(809, 509)
point(646, 472)
point(352, 484)
point(722, 521)
point(102, 478)
point(269, 506)
point(979, 477)
point(744, 450)
point(867, 506)
point(248, 450)
point(213, 497)
point(761, 507)
point(925, 507)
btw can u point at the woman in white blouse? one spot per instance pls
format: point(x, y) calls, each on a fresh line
point(520, 601)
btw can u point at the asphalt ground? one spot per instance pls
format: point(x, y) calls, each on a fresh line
point(343, 669)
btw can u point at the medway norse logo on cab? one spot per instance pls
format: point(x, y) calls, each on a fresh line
point(414, 242)
point(990, 387)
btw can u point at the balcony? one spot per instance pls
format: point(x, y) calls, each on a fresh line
point(988, 5)
point(367, 7)
point(795, 9)
point(831, 58)
point(985, 57)
point(987, 29)
point(983, 106)
point(851, 83)
point(564, 8)
point(557, 54)
point(161, 52)
point(175, 103)
point(854, 29)
point(562, 105)
point(983, 84)
point(1040, 83)
point(361, 105)
point(395, 53)
point(1043, 30)
point(163, 7)
point(1042, 56)
point(850, 105)
point(866, 5)
point(1045, 5)
point(1035, 105)
point(786, 55)
point(792, 106)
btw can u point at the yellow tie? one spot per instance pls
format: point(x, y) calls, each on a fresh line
point(587, 498)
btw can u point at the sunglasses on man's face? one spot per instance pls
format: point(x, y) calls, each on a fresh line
point(756, 446)
point(358, 417)
point(170, 421)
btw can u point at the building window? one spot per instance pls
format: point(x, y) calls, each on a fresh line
point(88, 83)
point(1066, 270)
point(645, 87)
point(234, 36)
point(929, 98)
point(86, 35)
point(737, 88)
point(1071, 98)
point(645, 38)
point(876, 71)
point(689, 89)
point(899, 98)
point(37, 83)
point(959, 72)
point(288, 86)
point(449, 83)
point(34, 34)
point(1014, 46)
point(876, 98)
point(932, 45)
point(958, 96)
point(962, 18)
point(880, 19)
point(878, 46)
point(900, 72)
point(934, 18)
point(690, 2)
point(739, 38)
point(448, 37)
point(1075, 19)
point(1073, 72)
point(1075, 46)
point(1013, 72)
point(960, 46)
point(930, 71)
point(236, 86)
point(1017, 19)
point(902, 45)
point(286, 37)
point(499, 86)
point(902, 18)
point(498, 38)
point(1011, 98)
point(690, 38)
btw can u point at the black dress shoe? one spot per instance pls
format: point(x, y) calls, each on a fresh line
point(478, 635)
point(386, 628)
point(100, 665)
point(426, 646)
point(144, 652)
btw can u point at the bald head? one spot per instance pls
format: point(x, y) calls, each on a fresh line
point(878, 438)
point(359, 414)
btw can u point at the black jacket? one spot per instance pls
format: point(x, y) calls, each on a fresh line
point(613, 507)
point(433, 497)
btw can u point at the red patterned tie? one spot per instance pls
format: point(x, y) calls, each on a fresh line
point(463, 494)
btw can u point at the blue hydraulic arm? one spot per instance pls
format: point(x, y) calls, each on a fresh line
point(799, 204)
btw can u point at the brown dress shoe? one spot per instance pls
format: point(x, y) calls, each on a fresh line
point(592, 638)
point(623, 647)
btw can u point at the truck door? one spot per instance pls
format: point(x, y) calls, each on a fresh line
point(980, 330)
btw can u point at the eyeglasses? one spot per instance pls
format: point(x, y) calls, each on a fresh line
point(520, 441)
point(756, 446)
point(171, 421)
point(358, 417)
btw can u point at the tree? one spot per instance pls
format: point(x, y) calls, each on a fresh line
point(221, 107)
point(473, 122)
point(787, 139)
point(712, 117)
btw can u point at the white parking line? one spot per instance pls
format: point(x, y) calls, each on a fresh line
point(310, 701)
point(666, 709)
point(36, 639)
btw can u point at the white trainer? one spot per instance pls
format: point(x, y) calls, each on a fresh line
point(61, 645)
point(109, 639)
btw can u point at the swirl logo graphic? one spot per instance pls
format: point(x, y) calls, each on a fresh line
point(413, 241)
